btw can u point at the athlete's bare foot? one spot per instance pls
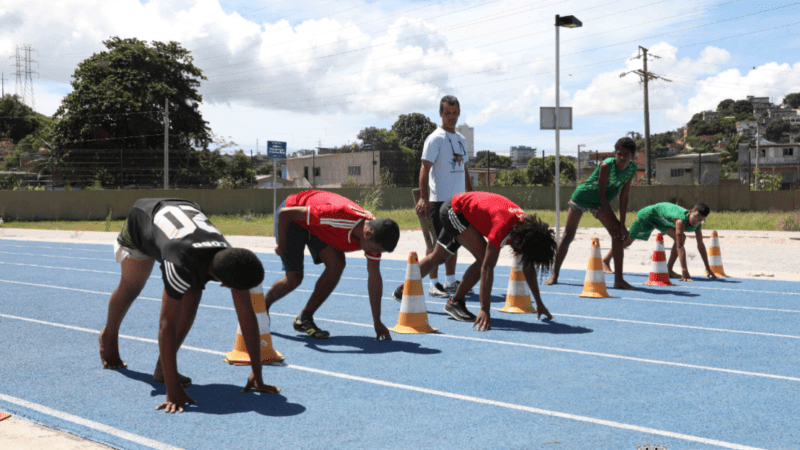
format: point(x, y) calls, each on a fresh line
point(552, 280)
point(158, 376)
point(607, 267)
point(624, 285)
point(673, 274)
point(109, 351)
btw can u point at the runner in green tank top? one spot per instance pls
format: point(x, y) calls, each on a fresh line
point(674, 221)
point(611, 178)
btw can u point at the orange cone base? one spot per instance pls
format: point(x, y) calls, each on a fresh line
point(413, 323)
point(518, 304)
point(595, 290)
point(718, 271)
point(658, 279)
point(239, 356)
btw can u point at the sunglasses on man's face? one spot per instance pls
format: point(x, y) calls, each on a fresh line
point(698, 218)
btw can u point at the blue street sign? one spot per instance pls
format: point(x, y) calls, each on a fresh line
point(276, 149)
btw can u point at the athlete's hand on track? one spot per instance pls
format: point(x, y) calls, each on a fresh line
point(685, 276)
point(176, 403)
point(543, 310)
point(484, 321)
point(260, 387)
point(710, 274)
point(382, 332)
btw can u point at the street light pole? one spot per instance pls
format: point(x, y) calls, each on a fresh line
point(568, 22)
point(578, 174)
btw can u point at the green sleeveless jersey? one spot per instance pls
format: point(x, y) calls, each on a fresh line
point(664, 215)
point(586, 194)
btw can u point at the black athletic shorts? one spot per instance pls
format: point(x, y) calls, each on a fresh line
point(453, 224)
point(297, 239)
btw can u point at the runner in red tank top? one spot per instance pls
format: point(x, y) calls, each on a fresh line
point(329, 225)
point(469, 219)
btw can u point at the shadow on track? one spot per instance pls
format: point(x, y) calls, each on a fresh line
point(222, 399)
point(360, 344)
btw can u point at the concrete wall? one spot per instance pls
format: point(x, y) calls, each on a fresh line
point(95, 205)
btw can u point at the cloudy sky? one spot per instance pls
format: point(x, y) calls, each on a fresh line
point(313, 72)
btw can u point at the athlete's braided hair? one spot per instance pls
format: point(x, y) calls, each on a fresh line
point(238, 268)
point(534, 242)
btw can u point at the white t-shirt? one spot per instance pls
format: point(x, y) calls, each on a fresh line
point(448, 153)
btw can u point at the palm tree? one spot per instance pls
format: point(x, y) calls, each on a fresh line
point(55, 161)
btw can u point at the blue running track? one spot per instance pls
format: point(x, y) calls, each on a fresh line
point(708, 364)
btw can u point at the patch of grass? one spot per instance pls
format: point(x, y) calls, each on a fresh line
point(790, 222)
point(262, 224)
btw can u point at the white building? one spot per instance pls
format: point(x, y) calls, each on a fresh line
point(688, 169)
point(469, 134)
point(521, 154)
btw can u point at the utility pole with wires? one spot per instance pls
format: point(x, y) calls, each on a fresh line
point(645, 78)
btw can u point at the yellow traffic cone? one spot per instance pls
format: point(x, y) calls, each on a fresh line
point(239, 356)
point(518, 298)
point(594, 284)
point(413, 318)
point(715, 256)
point(659, 274)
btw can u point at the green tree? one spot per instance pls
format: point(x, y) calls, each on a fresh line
point(397, 158)
point(725, 107)
point(767, 182)
point(484, 158)
point(543, 171)
point(793, 100)
point(515, 177)
point(729, 158)
point(776, 128)
point(17, 120)
point(213, 167)
point(742, 107)
point(118, 102)
point(239, 174)
point(266, 169)
point(412, 130)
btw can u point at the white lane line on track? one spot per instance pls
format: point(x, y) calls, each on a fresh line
point(713, 305)
point(467, 398)
point(722, 330)
point(492, 341)
point(135, 438)
point(28, 247)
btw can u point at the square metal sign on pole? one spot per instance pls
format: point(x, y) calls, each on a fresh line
point(275, 150)
point(547, 118)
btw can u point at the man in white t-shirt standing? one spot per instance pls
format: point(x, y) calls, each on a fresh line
point(443, 174)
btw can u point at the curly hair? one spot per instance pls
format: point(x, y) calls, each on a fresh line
point(534, 242)
point(238, 268)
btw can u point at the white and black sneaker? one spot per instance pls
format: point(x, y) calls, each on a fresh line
point(437, 290)
point(452, 287)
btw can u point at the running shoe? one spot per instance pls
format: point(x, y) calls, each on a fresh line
point(458, 310)
point(437, 290)
point(451, 288)
point(308, 327)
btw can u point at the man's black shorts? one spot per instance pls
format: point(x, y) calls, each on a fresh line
point(296, 240)
point(453, 224)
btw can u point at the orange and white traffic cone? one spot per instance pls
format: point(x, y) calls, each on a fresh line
point(659, 275)
point(413, 318)
point(518, 298)
point(594, 284)
point(715, 256)
point(239, 356)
